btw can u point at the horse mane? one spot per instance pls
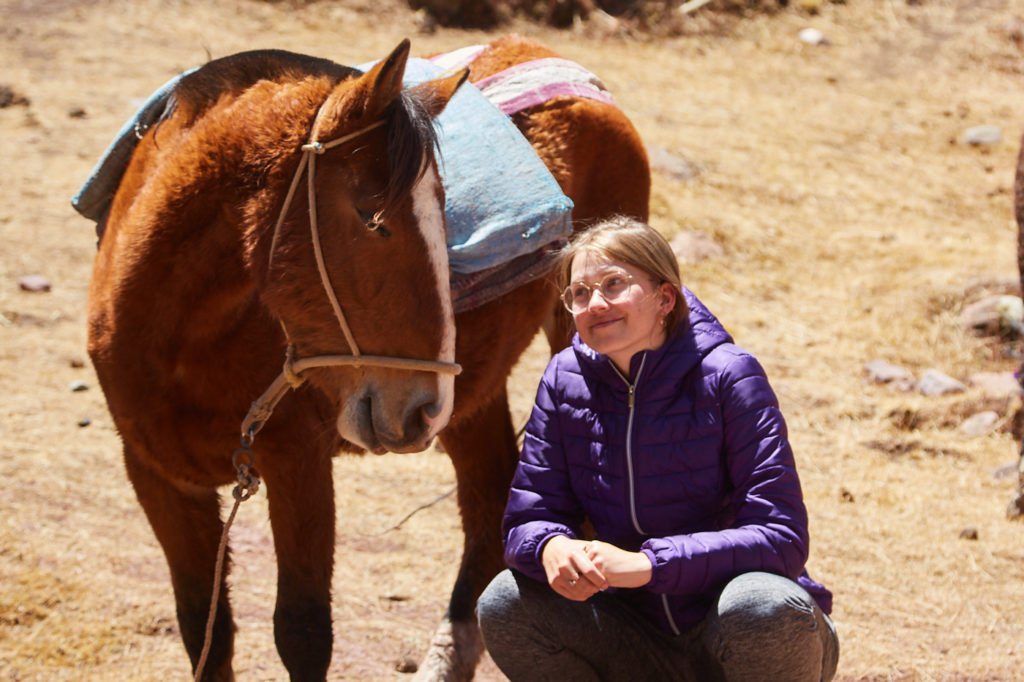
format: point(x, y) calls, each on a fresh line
point(200, 89)
point(412, 137)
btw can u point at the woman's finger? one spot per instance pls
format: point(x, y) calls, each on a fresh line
point(588, 570)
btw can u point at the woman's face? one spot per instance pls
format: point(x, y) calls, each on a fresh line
point(633, 321)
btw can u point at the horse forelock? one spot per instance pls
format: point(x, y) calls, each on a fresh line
point(412, 140)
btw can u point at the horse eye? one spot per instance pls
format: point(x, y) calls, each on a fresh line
point(373, 222)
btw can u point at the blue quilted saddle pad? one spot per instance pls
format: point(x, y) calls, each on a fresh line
point(501, 202)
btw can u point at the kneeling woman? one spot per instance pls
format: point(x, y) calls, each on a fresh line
point(666, 437)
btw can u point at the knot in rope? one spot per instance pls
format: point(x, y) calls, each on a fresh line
point(293, 377)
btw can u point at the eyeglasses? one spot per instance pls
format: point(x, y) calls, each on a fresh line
point(613, 286)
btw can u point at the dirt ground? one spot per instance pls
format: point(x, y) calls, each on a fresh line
point(852, 223)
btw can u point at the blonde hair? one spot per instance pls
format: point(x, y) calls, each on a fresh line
point(635, 243)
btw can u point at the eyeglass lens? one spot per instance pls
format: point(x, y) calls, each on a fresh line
point(577, 295)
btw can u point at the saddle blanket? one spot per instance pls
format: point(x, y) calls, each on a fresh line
point(530, 83)
point(506, 213)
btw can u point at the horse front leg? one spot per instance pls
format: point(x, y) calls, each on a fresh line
point(188, 527)
point(483, 450)
point(300, 494)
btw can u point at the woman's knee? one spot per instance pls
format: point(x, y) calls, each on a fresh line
point(767, 624)
point(767, 599)
point(498, 601)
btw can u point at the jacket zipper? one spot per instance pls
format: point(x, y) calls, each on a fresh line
point(631, 401)
point(668, 614)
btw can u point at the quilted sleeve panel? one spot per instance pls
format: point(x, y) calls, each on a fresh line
point(540, 503)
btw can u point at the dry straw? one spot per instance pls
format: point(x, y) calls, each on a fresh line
point(854, 226)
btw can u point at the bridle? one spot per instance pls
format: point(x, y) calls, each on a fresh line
point(291, 375)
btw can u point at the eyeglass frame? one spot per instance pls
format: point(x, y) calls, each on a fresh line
point(591, 288)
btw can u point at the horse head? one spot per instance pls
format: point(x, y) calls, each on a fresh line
point(361, 270)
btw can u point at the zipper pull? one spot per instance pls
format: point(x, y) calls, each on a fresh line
point(632, 390)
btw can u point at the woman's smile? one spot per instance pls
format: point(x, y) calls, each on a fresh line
point(633, 321)
point(600, 324)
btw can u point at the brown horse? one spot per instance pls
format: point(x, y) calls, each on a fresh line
point(199, 289)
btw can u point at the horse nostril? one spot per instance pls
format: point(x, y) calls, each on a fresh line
point(432, 410)
point(421, 416)
point(403, 427)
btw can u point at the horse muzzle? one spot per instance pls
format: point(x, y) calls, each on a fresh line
point(403, 420)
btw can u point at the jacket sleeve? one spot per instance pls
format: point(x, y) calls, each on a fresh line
point(541, 503)
point(769, 531)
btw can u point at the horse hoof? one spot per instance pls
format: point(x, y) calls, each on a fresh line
point(453, 653)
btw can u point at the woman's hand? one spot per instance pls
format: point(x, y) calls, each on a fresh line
point(569, 570)
point(621, 568)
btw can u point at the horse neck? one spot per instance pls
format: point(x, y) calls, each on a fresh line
point(196, 212)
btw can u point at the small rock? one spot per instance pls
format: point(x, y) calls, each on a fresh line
point(77, 112)
point(34, 283)
point(1005, 471)
point(406, 664)
point(671, 164)
point(1015, 510)
point(882, 372)
point(845, 495)
point(979, 424)
point(969, 534)
point(84, 421)
point(983, 317)
point(76, 363)
point(934, 382)
point(996, 384)
point(813, 36)
point(979, 135)
point(10, 98)
point(695, 246)
point(77, 386)
point(1011, 313)
point(810, 6)
point(1015, 30)
point(425, 22)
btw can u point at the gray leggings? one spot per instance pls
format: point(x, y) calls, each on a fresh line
point(762, 628)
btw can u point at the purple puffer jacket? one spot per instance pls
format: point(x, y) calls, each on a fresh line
point(690, 465)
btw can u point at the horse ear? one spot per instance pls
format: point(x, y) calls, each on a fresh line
point(384, 80)
point(435, 94)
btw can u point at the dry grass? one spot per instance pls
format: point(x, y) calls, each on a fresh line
point(854, 222)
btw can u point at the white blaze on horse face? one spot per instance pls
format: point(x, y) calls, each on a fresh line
point(429, 214)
